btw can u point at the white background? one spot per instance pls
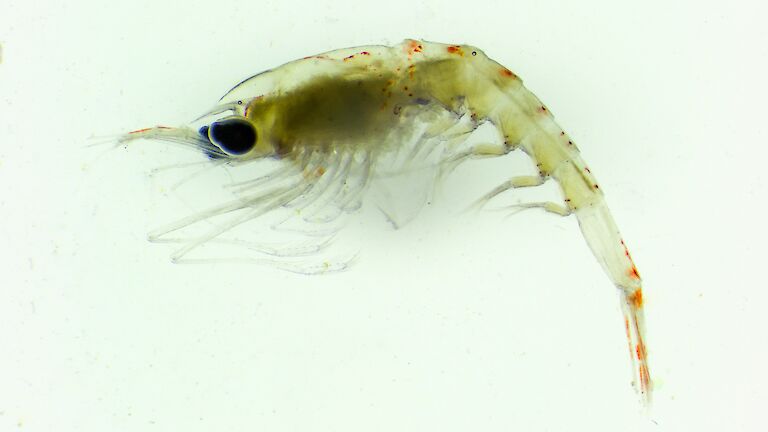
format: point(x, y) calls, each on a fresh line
point(453, 323)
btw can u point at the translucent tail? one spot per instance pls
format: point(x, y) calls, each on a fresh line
point(525, 121)
point(605, 241)
point(634, 322)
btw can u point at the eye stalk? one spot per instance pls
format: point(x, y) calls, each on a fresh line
point(235, 136)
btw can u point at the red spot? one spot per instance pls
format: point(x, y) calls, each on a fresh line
point(640, 350)
point(633, 273)
point(587, 170)
point(455, 49)
point(349, 57)
point(626, 251)
point(365, 53)
point(414, 47)
point(506, 72)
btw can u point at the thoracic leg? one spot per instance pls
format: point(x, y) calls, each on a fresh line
point(548, 206)
point(514, 182)
point(479, 150)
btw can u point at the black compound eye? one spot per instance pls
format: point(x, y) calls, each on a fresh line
point(236, 136)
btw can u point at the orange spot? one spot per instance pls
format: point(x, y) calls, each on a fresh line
point(320, 171)
point(626, 326)
point(640, 350)
point(411, 71)
point(645, 378)
point(413, 47)
point(507, 73)
point(636, 299)
point(455, 50)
